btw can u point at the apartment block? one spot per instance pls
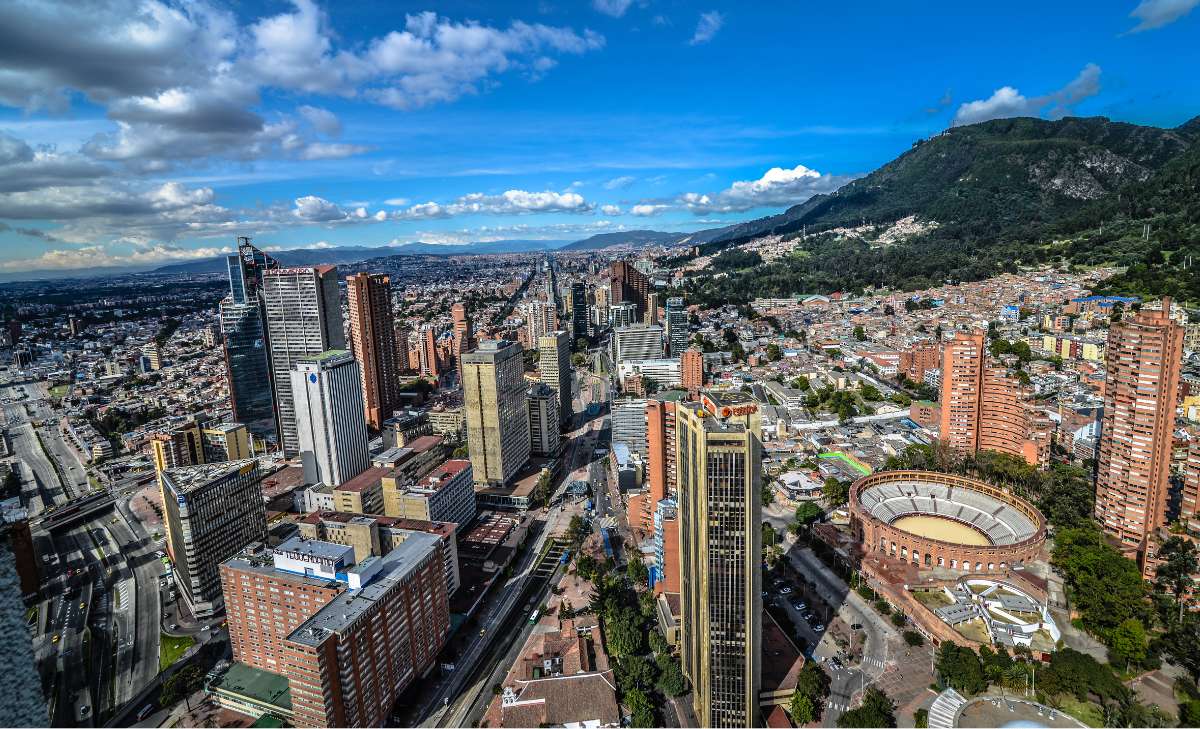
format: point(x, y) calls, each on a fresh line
point(494, 405)
point(554, 366)
point(373, 341)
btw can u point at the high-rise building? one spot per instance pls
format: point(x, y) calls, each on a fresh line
point(75, 326)
point(350, 636)
point(666, 546)
point(431, 365)
point(373, 341)
point(601, 314)
point(542, 404)
point(629, 424)
point(24, 705)
point(247, 351)
point(180, 446)
point(639, 341)
point(677, 326)
point(660, 457)
point(1144, 357)
point(447, 493)
point(494, 408)
point(623, 314)
point(630, 284)
point(541, 319)
point(579, 312)
point(985, 406)
point(331, 432)
point(720, 550)
point(153, 354)
point(554, 365)
point(464, 333)
point(210, 512)
point(691, 362)
point(304, 318)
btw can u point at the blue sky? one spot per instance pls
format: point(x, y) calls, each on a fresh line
point(135, 132)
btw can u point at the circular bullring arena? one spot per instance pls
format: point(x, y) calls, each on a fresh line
point(933, 519)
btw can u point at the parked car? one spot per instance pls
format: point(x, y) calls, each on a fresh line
point(818, 628)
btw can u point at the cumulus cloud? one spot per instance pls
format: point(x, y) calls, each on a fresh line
point(23, 169)
point(99, 256)
point(1007, 101)
point(778, 186)
point(707, 27)
point(1152, 14)
point(317, 209)
point(331, 150)
point(323, 120)
point(510, 202)
point(615, 8)
point(645, 210)
point(610, 209)
point(620, 183)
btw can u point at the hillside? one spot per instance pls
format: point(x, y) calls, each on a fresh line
point(987, 197)
point(631, 238)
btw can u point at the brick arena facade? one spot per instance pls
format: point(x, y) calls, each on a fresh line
point(1014, 529)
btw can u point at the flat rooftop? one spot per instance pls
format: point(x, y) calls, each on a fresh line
point(342, 612)
point(315, 548)
point(187, 479)
point(262, 686)
point(368, 479)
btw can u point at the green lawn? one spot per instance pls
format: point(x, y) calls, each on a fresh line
point(58, 391)
point(171, 648)
point(1087, 712)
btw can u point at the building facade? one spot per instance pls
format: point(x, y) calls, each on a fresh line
point(210, 512)
point(495, 412)
point(1145, 352)
point(331, 432)
point(303, 319)
point(638, 341)
point(677, 326)
point(373, 341)
point(542, 404)
point(247, 351)
point(720, 549)
point(554, 364)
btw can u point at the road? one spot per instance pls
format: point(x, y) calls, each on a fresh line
point(97, 643)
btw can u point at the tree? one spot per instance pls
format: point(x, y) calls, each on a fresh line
point(774, 354)
point(767, 494)
point(623, 633)
point(578, 530)
point(813, 683)
point(876, 710)
point(1179, 563)
point(806, 514)
point(1105, 586)
point(581, 344)
point(859, 333)
point(835, 492)
point(801, 709)
point(1128, 643)
point(960, 668)
point(461, 451)
point(671, 680)
point(921, 718)
point(641, 711)
point(635, 672)
point(913, 638)
point(801, 383)
point(638, 572)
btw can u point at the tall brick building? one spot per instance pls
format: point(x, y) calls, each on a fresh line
point(373, 340)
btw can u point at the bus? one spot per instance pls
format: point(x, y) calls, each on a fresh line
point(145, 711)
point(534, 617)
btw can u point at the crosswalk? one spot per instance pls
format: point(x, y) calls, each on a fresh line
point(876, 662)
point(944, 711)
point(837, 706)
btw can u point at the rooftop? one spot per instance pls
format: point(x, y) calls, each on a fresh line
point(341, 613)
point(262, 686)
point(186, 479)
point(315, 548)
point(368, 479)
point(443, 475)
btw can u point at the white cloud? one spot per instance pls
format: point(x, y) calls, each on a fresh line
point(323, 120)
point(610, 209)
point(620, 183)
point(708, 26)
point(98, 256)
point(777, 187)
point(510, 202)
point(317, 210)
point(1152, 14)
point(396, 201)
point(331, 150)
point(615, 8)
point(645, 210)
point(1007, 101)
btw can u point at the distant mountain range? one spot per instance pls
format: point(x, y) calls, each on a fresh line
point(989, 197)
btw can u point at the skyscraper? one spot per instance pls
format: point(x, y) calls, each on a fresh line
point(720, 548)
point(540, 319)
point(677, 326)
point(542, 404)
point(331, 432)
point(494, 408)
point(639, 341)
point(210, 512)
point(373, 340)
point(1144, 357)
point(554, 364)
point(304, 318)
point(464, 333)
point(691, 365)
point(431, 365)
point(247, 352)
point(579, 312)
point(985, 406)
point(629, 284)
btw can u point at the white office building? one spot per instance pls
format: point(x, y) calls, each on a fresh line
point(638, 341)
point(331, 429)
point(665, 372)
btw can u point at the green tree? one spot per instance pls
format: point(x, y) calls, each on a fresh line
point(807, 513)
point(870, 393)
point(1105, 586)
point(635, 672)
point(638, 572)
point(578, 530)
point(1179, 563)
point(801, 709)
point(1128, 643)
point(624, 633)
point(913, 638)
point(960, 668)
point(835, 492)
point(671, 680)
point(859, 333)
point(767, 494)
point(774, 354)
point(876, 710)
point(641, 711)
point(801, 383)
point(921, 718)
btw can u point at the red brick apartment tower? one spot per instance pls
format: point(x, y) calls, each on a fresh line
point(691, 364)
point(1145, 353)
point(963, 362)
point(373, 340)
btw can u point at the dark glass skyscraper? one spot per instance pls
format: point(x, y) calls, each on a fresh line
point(579, 313)
point(246, 345)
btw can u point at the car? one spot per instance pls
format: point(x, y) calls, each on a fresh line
point(482, 631)
point(174, 626)
point(54, 638)
point(785, 591)
point(84, 711)
point(807, 616)
point(855, 626)
point(800, 605)
point(818, 628)
point(82, 605)
point(764, 593)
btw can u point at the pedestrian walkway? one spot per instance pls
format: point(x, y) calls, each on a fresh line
point(945, 709)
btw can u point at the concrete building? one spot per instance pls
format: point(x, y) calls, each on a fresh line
point(579, 312)
point(350, 636)
point(303, 318)
point(542, 404)
point(226, 442)
point(677, 326)
point(1141, 387)
point(430, 362)
point(554, 366)
point(373, 341)
point(494, 407)
point(445, 494)
point(638, 341)
point(541, 319)
point(664, 372)
point(629, 284)
point(629, 424)
point(153, 354)
point(331, 432)
point(720, 549)
point(210, 512)
point(623, 314)
point(180, 446)
point(362, 494)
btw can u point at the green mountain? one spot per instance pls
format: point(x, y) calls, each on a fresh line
point(988, 197)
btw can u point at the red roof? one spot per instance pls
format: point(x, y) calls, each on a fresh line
point(368, 479)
